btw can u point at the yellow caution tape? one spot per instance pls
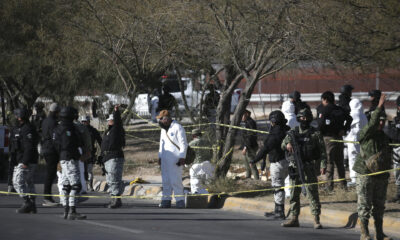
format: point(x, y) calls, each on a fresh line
point(207, 194)
point(241, 128)
point(345, 141)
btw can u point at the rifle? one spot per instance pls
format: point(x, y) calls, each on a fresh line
point(101, 164)
point(295, 162)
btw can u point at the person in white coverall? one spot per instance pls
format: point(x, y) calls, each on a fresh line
point(288, 110)
point(172, 153)
point(359, 121)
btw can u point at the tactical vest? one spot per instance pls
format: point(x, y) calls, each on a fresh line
point(68, 142)
point(309, 151)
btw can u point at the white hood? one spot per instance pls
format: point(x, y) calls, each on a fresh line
point(288, 111)
point(357, 113)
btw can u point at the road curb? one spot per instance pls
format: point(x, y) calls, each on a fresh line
point(331, 217)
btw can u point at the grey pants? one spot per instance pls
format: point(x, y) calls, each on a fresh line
point(23, 179)
point(114, 168)
point(279, 171)
point(70, 180)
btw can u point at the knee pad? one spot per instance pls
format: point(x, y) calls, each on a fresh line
point(77, 187)
point(67, 188)
point(278, 191)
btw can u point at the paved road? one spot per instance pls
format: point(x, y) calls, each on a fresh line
point(141, 219)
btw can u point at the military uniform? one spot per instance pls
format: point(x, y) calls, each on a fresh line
point(371, 190)
point(251, 145)
point(24, 144)
point(313, 157)
point(394, 135)
point(113, 157)
point(202, 169)
point(68, 145)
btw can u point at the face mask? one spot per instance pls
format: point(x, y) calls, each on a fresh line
point(304, 124)
point(163, 126)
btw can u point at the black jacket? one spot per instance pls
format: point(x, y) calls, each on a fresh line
point(272, 144)
point(48, 126)
point(24, 141)
point(67, 141)
point(113, 139)
point(344, 102)
point(333, 119)
point(249, 139)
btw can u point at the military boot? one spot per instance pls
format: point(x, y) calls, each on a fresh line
point(26, 206)
point(364, 230)
point(379, 235)
point(115, 203)
point(279, 212)
point(317, 224)
point(294, 222)
point(73, 215)
point(66, 211)
point(33, 204)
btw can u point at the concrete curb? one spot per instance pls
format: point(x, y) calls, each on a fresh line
point(337, 218)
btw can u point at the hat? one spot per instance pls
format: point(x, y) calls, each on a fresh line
point(54, 107)
point(110, 117)
point(295, 95)
point(196, 132)
point(163, 113)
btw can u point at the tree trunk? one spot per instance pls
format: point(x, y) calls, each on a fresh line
point(224, 162)
point(188, 110)
point(129, 114)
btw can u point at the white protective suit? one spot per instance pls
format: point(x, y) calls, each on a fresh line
point(200, 172)
point(359, 121)
point(169, 154)
point(154, 106)
point(288, 111)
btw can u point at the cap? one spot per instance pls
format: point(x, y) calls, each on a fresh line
point(110, 117)
point(163, 113)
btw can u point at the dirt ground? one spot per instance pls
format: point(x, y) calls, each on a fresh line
point(141, 159)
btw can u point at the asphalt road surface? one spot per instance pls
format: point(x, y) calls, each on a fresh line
point(142, 219)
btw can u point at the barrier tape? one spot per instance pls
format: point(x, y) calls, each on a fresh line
point(206, 194)
point(355, 142)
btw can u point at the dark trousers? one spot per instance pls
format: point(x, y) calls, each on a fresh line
point(334, 155)
point(51, 171)
point(10, 173)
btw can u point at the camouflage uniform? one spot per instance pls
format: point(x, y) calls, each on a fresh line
point(371, 190)
point(71, 177)
point(23, 179)
point(311, 171)
point(202, 169)
point(114, 168)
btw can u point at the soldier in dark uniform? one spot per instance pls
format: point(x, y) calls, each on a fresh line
point(96, 137)
point(279, 164)
point(333, 123)
point(345, 97)
point(211, 103)
point(250, 145)
point(49, 152)
point(394, 135)
point(295, 98)
point(69, 147)
point(113, 156)
point(38, 118)
point(25, 141)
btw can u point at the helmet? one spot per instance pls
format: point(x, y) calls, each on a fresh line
point(305, 113)
point(22, 113)
point(295, 95)
point(398, 101)
point(67, 112)
point(277, 117)
point(375, 93)
point(346, 89)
